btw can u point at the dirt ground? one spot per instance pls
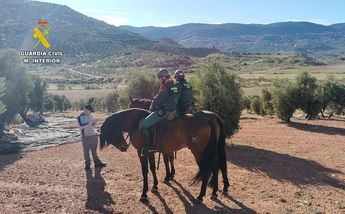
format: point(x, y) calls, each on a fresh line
point(273, 168)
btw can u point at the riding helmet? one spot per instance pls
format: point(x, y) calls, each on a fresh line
point(179, 74)
point(163, 73)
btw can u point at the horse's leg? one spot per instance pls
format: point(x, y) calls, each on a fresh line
point(167, 168)
point(211, 181)
point(144, 171)
point(203, 187)
point(172, 172)
point(215, 182)
point(153, 170)
point(224, 170)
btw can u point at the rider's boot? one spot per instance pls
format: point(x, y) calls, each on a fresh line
point(148, 146)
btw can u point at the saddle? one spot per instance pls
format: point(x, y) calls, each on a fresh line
point(159, 128)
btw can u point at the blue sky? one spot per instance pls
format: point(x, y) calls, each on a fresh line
point(176, 12)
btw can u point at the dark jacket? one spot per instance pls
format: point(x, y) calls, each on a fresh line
point(165, 99)
point(184, 98)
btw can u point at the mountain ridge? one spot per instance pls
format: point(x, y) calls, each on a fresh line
point(274, 37)
point(72, 32)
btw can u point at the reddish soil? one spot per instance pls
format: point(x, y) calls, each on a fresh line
point(273, 168)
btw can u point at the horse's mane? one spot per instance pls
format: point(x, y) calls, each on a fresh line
point(121, 116)
point(122, 112)
point(140, 103)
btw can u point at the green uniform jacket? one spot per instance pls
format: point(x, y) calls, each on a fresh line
point(165, 99)
point(184, 98)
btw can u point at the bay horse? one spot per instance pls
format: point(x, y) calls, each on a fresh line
point(199, 135)
point(169, 158)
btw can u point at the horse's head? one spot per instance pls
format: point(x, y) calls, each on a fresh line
point(117, 141)
point(112, 134)
point(112, 129)
point(139, 103)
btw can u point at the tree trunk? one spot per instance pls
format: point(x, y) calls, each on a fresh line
point(323, 115)
point(24, 113)
point(330, 115)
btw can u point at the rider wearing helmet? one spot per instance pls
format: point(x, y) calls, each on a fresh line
point(184, 98)
point(162, 105)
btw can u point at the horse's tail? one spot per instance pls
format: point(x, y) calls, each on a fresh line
point(222, 161)
point(222, 136)
point(209, 156)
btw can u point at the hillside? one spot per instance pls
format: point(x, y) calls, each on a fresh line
point(72, 32)
point(301, 37)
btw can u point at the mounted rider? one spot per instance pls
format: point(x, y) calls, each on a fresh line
point(162, 105)
point(184, 98)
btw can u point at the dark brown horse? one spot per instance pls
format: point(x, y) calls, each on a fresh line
point(197, 134)
point(169, 158)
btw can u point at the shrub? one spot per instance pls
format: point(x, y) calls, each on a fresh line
point(284, 99)
point(18, 86)
point(266, 102)
point(79, 104)
point(96, 102)
point(37, 94)
point(143, 86)
point(332, 97)
point(112, 102)
point(123, 98)
point(308, 100)
point(219, 92)
point(48, 103)
point(255, 105)
point(61, 103)
point(245, 104)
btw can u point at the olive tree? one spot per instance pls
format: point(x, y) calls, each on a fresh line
point(219, 92)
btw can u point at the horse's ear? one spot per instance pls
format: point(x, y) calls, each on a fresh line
point(131, 99)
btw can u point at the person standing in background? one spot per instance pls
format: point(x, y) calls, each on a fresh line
point(89, 137)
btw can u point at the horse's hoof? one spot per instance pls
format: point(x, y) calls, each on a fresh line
point(213, 197)
point(198, 200)
point(225, 193)
point(166, 181)
point(144, 199)
point(154, 190)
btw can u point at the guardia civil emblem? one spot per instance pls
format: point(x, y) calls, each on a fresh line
point(40, 33)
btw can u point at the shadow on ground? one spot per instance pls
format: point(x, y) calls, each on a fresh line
point(97, 198)
point(6, 160)
point(283, 167)
point(191, 206)
point(318, 128)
